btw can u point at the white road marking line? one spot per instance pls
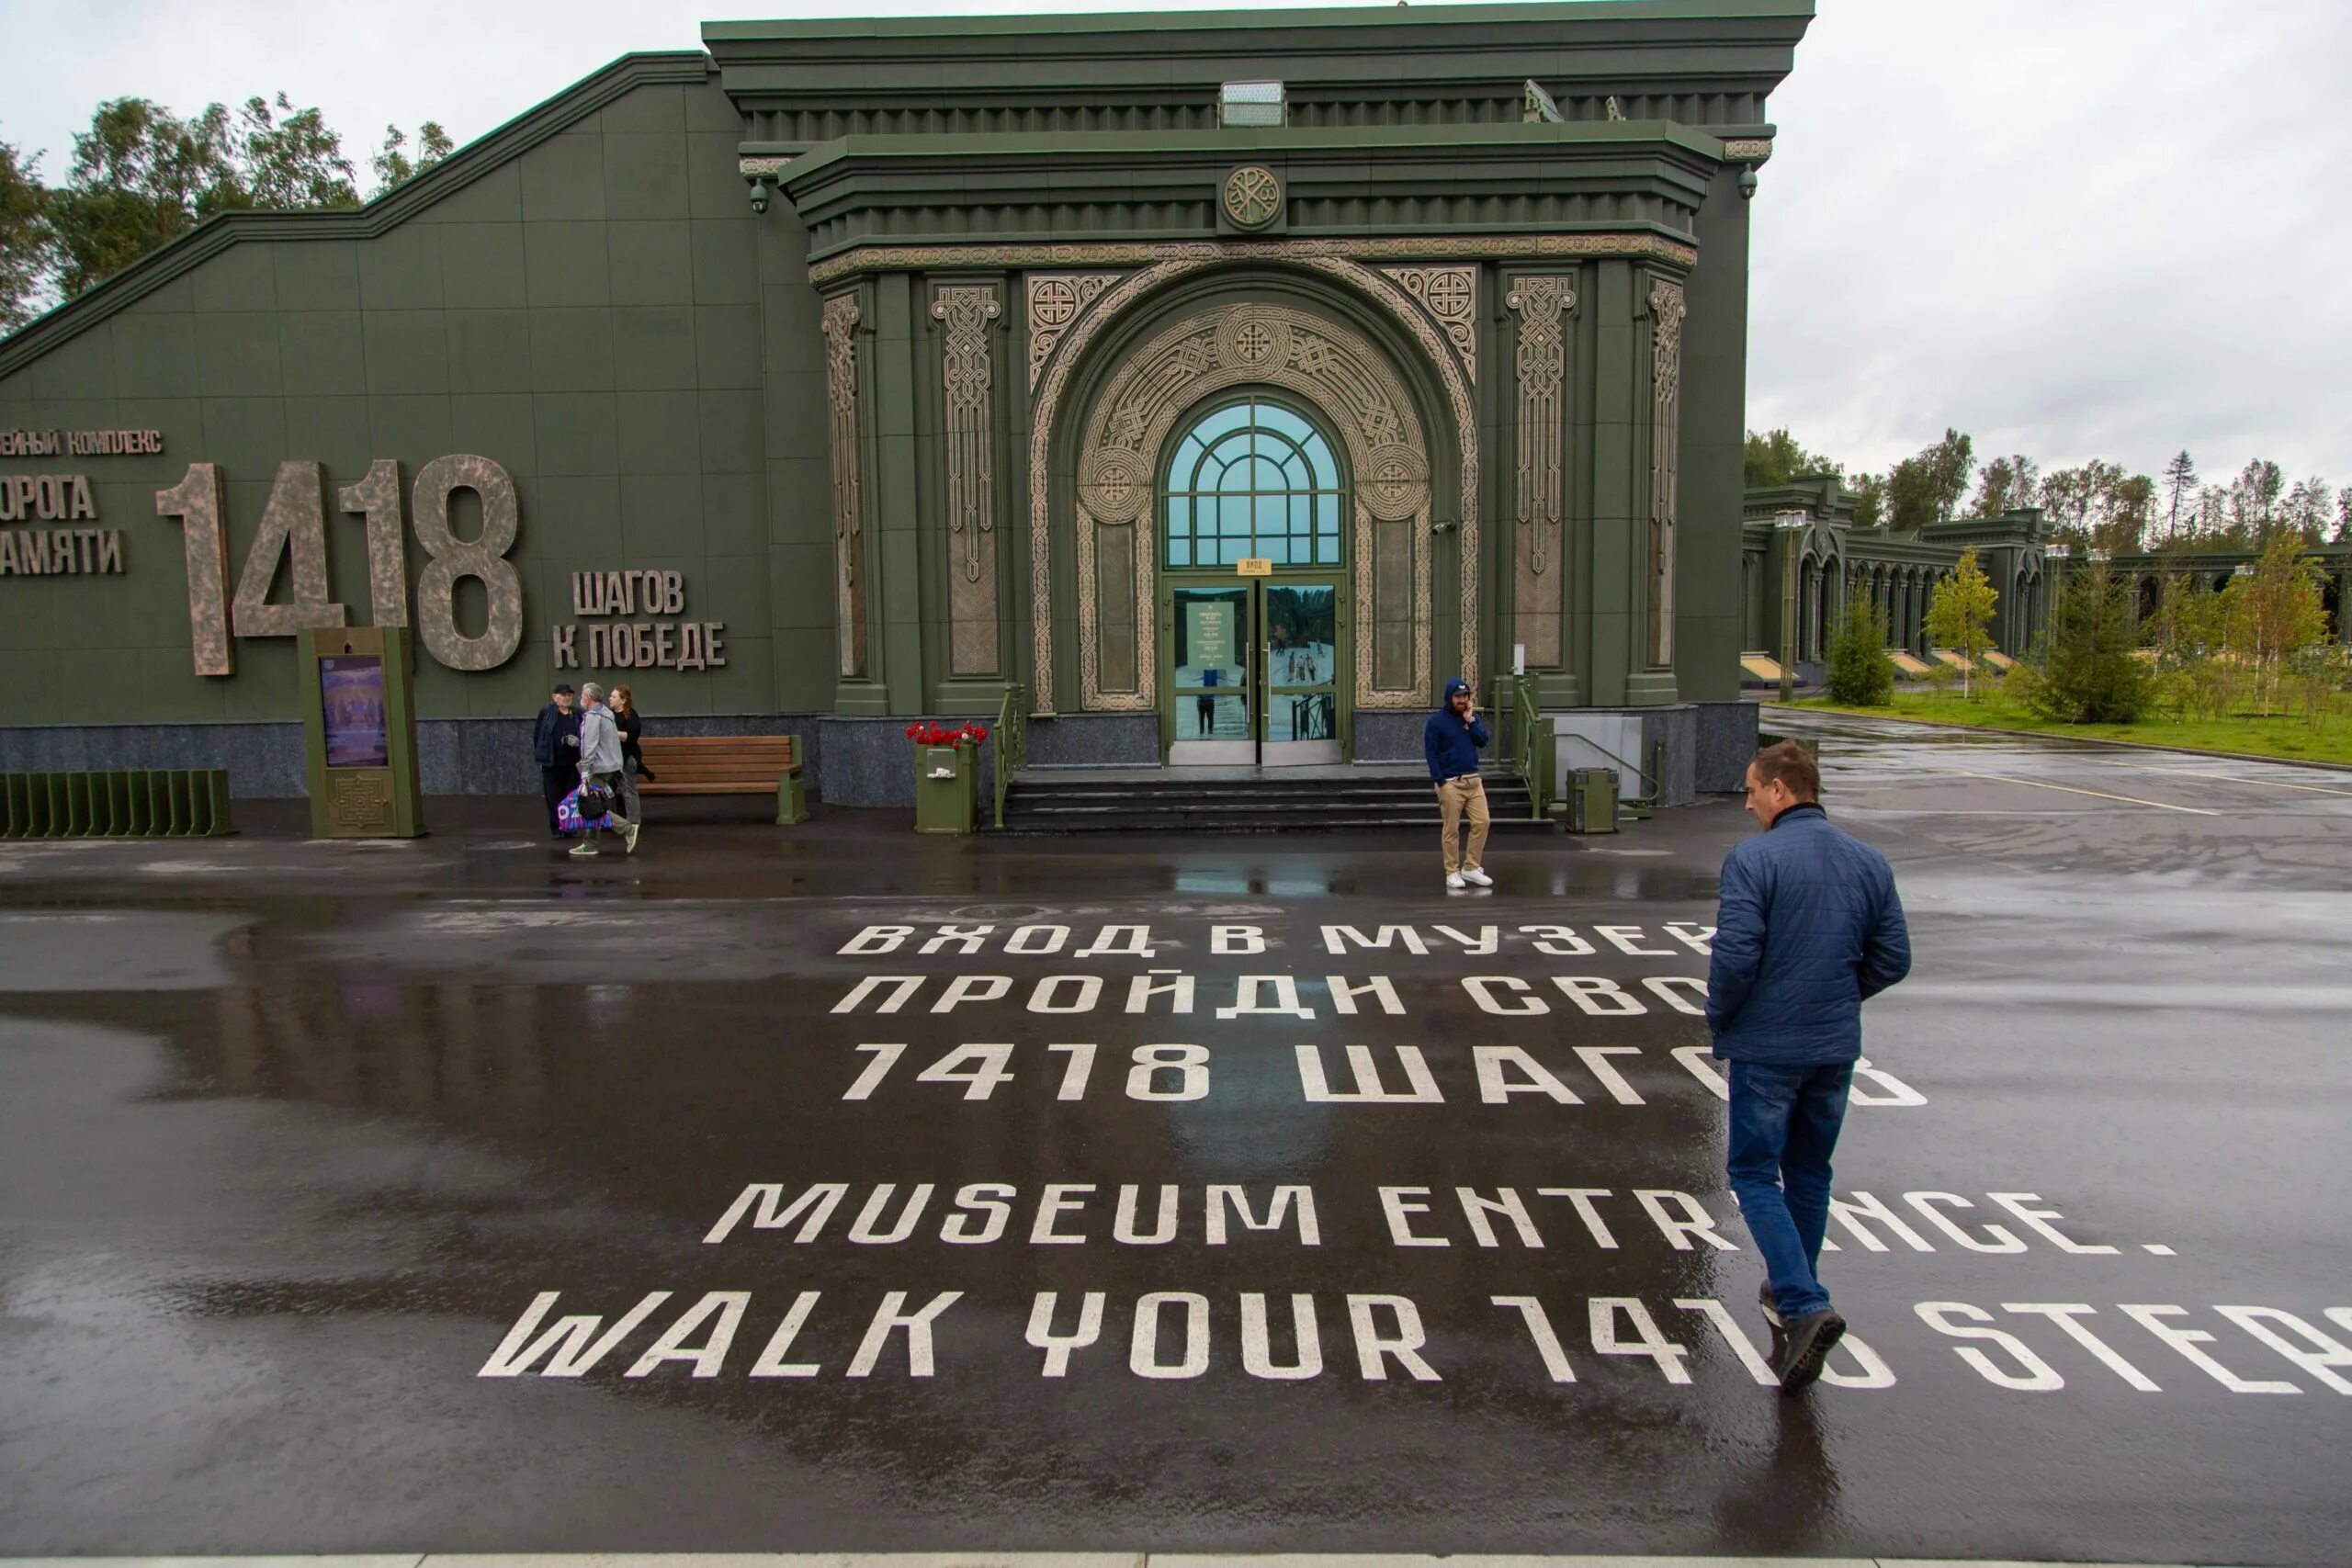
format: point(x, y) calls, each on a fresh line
point(2070, 789)
point(2231, 778)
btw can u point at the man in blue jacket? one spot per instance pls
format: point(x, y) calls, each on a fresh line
point(1808, 928)
point(554, 746)
point(1451, 740)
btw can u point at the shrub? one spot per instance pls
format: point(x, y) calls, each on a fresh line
point(1861, 674)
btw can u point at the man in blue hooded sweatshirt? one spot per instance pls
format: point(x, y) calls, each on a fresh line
point(1451, 740)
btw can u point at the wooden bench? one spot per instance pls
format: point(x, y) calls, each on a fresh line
point(727, 764)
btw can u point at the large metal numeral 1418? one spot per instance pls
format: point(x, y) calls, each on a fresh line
point(294, 523)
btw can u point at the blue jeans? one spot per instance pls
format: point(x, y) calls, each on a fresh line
point(1784, 1125)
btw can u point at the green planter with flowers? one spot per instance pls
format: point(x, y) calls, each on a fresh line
point(947, 775)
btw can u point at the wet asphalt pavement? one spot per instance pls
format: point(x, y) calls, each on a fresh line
point(297, 1140)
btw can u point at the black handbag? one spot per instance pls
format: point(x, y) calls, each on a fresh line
point(595, 800)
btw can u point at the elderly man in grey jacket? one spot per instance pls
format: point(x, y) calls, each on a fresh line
point(600, 761)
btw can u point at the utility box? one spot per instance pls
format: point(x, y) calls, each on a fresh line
point(359, 732)
point(1592, 801)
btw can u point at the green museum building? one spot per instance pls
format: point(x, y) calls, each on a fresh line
point(1209, 387)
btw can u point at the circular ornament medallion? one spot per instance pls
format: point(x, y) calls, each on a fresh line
point(1253, 196)
point(1395, 481)
point(1254, 338)
point(1115, 484)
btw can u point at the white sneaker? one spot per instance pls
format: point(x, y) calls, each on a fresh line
point(1475, 877)
point(629, 846)
point(1454, 879)
point(579, 849)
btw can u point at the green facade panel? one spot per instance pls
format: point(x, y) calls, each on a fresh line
point(620, 299)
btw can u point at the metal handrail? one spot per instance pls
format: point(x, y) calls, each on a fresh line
point(1012, 737)
point(1655, 778)
point(1532, 742)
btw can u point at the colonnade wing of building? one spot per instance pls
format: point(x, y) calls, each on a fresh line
point(1802, 556)
point(1200, 382)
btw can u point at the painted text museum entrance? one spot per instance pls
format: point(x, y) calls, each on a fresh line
point(1253, 603)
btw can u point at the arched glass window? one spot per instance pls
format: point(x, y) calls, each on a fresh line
point(1252, 478)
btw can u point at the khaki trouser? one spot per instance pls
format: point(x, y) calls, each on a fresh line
point(1466, 793)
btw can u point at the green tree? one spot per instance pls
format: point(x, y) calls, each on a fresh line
point(2180, 484)
point(2094, 674)
point(291, 163)
point(1960, 614)
point(2127, 504)
point(141, 176)
point(2344, 515)
point(26, 243)
point(2254, 502)
point(2275, 610)
point(1910, 496)
point(393, 167)
point(2067, 495)
point(1860, 672)
point(1869, 499)
point(1948, 465)
point(1929, 485)
point(2008, 483)
point(2306, 509)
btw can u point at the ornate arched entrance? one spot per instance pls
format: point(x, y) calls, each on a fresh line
point(1255, 629)
point(1315, 379)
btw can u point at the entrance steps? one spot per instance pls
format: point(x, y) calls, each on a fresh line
point(1245, 800)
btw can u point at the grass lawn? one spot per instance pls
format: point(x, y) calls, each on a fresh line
point(2288, 736)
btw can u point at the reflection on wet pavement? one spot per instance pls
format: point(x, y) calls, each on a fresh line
point(294, 1137)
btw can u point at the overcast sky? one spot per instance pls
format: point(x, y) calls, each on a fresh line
point(2071, 228)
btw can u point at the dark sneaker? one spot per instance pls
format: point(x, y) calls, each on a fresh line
point(1810, 1338)
point(1771, 1304)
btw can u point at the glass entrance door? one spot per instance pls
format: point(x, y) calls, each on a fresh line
point(1300, 667)
point(1254, 674)
point(1211, 631)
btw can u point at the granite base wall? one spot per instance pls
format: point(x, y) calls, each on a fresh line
point(849, 760)
point(1095, 741)
point(266, 762)
point(1726, 739)
point(1384, 735)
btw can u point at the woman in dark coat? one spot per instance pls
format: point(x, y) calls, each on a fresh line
point(633, 768)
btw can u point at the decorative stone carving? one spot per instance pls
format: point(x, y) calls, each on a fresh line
point(1174, 260)
point(965, 369)
point(1357, 389)
point(1140, 253)
point(764, 168)
point(1450, 295)
point(1539, 441)
point(1748, 149)
point(1055, 302)
point(1255, 335)
point(1115, 484)
point(839, 320)
point(1667, 311)
point(1395, 481)
point(1252, 197)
